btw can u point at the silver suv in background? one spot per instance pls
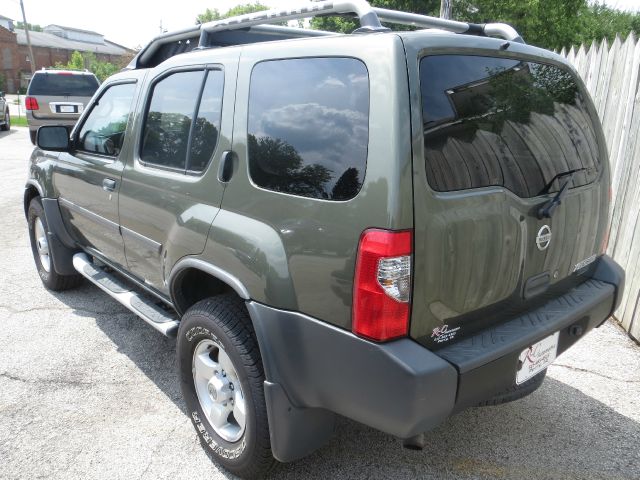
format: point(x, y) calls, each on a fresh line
point(58, 97)
point(5, 119)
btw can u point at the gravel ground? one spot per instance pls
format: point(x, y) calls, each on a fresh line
point(87, 390)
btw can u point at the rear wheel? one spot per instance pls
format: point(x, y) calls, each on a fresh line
point(32, 135)
point(222, 382)
point(41, 253)
point(7, 121)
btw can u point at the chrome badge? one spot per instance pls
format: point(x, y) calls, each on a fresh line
point(543, 239)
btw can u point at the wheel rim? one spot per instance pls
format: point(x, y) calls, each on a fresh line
point(219, 390)
point(42, 245)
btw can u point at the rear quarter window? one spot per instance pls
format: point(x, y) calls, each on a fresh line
point(308, 127)
point(63, 84)
point(502, 122)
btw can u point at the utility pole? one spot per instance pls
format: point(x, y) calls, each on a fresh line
point(32, 59)
point(445, 9)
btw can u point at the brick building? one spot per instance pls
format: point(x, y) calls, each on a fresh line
point(54, 44)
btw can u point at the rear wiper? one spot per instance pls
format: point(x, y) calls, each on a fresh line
point(548, 186)
point(548, 208)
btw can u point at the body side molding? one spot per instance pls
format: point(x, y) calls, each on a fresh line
point(89, 214)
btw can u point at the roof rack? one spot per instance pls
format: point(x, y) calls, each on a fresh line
point(255, 28)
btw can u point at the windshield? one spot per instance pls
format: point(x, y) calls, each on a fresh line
point(63, 84)
point(502, 122)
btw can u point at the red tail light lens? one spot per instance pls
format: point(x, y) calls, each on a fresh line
point(382, 285)
point(31, 103)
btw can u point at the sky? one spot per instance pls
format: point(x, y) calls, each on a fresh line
point(133, 23)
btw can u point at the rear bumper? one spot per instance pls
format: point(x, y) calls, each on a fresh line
point(35, 123)
point(314, 370)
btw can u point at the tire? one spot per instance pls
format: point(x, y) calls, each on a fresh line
point(32, 135)
point(7, 121)
point(37, 235)
point(516, 392)
point(212, 333)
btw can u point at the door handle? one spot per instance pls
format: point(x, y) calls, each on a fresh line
point(108, 184)
point(225, 170)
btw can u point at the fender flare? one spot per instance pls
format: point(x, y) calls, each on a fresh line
point(214, 271)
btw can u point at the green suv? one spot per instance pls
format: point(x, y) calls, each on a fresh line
point(388, 226)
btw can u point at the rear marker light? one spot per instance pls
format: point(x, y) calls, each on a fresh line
point(382, 285)
point(30, 103)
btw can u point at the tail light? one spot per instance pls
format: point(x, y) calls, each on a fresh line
point(31, 103)
point(382, 285)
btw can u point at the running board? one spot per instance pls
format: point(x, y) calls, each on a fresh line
point(155, 316)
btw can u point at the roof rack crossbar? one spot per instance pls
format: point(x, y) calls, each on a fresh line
point(368, 19)
point(501, 30)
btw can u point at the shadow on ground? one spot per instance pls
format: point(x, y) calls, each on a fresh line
point(4, 134)
point(556, 433)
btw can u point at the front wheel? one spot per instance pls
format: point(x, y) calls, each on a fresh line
point(38, 228)
point(222, 382)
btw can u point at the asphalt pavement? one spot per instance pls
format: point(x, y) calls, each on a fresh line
point(88, 390)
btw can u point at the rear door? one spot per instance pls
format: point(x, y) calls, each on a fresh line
point(87, 179)
point(170, 191)
point(61, 95)
point(495, 135)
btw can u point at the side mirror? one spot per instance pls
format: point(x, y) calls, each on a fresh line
point(53, 137)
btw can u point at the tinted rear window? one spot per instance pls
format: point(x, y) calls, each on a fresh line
point(60, 84)
point(503, 122)
point(309, 126)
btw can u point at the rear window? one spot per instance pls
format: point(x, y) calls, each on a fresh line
point(309, 126)
point(501, 122)
point(63, 84)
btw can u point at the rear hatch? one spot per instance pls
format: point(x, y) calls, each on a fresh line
point(61, 95)
point(498, 130)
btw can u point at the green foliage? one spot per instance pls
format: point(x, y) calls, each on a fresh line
point(32, 27)
point(551, 24)
point(2, 82)
point(213, 14)
point(348, 24)
point(80, 61)
point(605, 22)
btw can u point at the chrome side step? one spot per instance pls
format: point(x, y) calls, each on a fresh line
point(163, 321)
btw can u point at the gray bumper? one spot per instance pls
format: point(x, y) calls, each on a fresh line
point(314, 370)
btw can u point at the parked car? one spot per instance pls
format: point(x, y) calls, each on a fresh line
point(390, 227)
point(5, 118)
point(57, 97)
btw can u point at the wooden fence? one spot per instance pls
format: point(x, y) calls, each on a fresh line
point(612, 75)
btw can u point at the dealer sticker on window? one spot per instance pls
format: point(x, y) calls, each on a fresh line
point(537, 357)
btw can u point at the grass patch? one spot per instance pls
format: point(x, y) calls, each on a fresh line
point(18, 121)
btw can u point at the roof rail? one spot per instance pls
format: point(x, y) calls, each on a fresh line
point(369, 19)
point(256, 27)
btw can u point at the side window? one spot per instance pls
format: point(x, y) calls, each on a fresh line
point(207, 127)
point(103, 130)
point(171, 138)
point(308, 127)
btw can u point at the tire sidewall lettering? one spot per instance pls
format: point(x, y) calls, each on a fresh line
point(194, 335)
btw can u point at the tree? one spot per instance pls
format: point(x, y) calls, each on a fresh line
point(213, 14)
point(80, 61)
point(346, 24)
point(551, 24)
point(32, 27)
